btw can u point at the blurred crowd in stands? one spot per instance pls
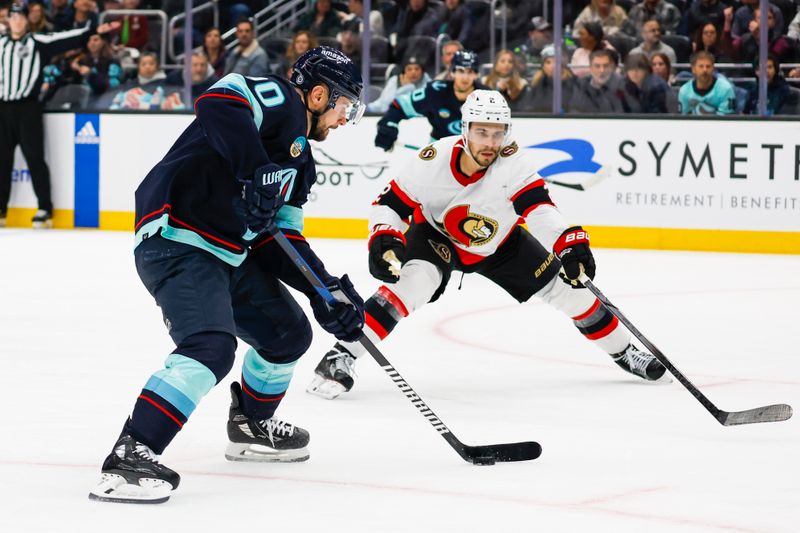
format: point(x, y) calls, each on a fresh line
point(619, 56)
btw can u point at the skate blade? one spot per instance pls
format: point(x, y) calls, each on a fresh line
point(325, 388)
point(42, 225)
point(116, 489)
point(256, 453)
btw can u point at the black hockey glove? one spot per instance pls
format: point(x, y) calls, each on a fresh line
point(261, 198)
point(572, 249)
point(344, 320)
point(380, 244)
point(386, 137)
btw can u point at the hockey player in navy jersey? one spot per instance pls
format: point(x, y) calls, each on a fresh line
point(463, 198)
point(204, 216)
point(439, 101)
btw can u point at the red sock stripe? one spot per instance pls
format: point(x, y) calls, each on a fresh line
point(160, 408)
point(591, 310)
point(605, 331)
point(256, 398)
point(393, 299)
point(374, 326)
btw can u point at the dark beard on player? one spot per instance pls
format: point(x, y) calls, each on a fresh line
point(320, 133)
point(479, 159)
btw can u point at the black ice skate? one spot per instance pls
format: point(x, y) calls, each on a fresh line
point(334, 374)
point(132, 474)
point(270, 440)
point(42, 220)
point(640, 363)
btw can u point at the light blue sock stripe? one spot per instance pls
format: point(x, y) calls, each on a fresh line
point(185, 376)
point(265, 377)
point(171, 394)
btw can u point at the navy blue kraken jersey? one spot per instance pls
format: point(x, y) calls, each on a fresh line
point(436, 101)
point(241, 124)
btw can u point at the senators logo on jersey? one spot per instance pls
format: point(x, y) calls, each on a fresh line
point(469, 229)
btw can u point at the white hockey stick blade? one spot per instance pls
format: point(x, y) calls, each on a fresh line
point(325, 388)
point(114, 488)
point(769, 413)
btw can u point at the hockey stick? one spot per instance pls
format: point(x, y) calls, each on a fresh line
point(479, 455)
point(769, 413)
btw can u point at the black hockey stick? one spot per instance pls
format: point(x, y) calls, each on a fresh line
point(769, 413)
point(479, 455)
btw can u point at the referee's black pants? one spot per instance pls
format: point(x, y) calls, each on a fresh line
point(21, 123)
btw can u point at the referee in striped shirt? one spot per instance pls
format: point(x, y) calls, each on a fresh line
point(23, 55)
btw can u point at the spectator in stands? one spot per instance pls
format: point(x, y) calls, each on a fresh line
point(354, 20)
point(643, 92)
point(703, 12)
point(505, 78)
point(591, 38)
point(448, 51)
point(778, 92)
point(745, 15)
point(301, 43)
point(706, 94)
point(748, 44)
point(247, 59)
point(350, 44)
point(3, 19)
point(664, 12)
point(518, 15)
point(321, 20)
point(97, 67)
point(203, 76)
point(59, 14)
point(135, 31)
point(610, 16)
point(600, 92)
point(37, 21)
point(540, 35)
point(78, 15)
point(651, 42)
point(214, 50)
point(662, 67)
point(416, 19)
point(410, 79)
point(454, 20)
point(149, 91)
point(539, 98)
point(718, 43)
point(479, 15)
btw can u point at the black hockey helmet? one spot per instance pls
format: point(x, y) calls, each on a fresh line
point(464, 59)
point(327, 66)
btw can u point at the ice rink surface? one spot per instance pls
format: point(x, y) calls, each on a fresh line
point(79, 336)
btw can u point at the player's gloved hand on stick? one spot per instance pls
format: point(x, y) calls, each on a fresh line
point(572, 249)
point(386, 246)
point(261, 198)
point(385, 137)
point(344, 320)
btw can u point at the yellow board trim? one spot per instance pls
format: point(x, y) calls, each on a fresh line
point(20, 217)
point(773, 242)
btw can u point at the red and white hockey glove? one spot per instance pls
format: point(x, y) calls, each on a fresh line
point(387, 253)
point(572, 249)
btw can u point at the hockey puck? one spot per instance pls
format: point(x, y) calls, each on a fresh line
point(484, 461)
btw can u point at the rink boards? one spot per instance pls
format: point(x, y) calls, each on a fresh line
point(716, 185)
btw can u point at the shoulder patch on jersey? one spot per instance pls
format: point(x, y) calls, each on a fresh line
point(509, 150)
point(297, 146)
point(444, 112)
point(427, 153)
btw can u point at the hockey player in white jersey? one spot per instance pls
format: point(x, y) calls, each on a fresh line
point(462, 200)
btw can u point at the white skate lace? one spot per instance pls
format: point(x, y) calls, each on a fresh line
point(273, 425)
point(636, 359)
point(141, 451)
point(342, 361)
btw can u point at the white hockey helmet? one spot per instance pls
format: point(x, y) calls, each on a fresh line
point(485, 106)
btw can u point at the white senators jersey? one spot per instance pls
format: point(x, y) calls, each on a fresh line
point(477, 213)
